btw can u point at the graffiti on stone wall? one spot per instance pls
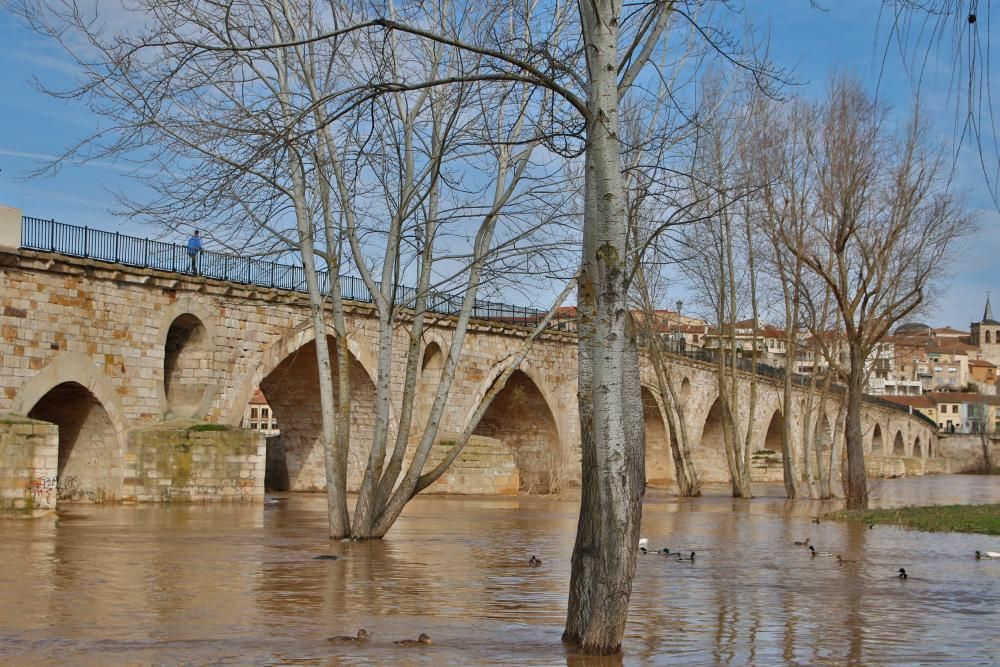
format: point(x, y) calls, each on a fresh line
point(42, 487)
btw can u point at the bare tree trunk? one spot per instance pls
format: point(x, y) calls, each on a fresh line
point(611, 419)
point(338, 523)
point(836, 455)
point(680, 444)
point(688, 484)
point(856, 484)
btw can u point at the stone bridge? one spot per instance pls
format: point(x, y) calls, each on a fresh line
point(128, 361)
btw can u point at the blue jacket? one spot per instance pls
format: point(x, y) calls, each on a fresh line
point(194, 245)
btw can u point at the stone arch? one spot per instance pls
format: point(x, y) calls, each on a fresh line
point(90, 459)
point(823, 435)
point(898, 445)
point(533, 374)
point(877, 441)
point(685, 390)
point(709, 456)
point(291, 387)
point(766, 463)
point(521, 417)
point(275, 354)
point(186, 337)
point(659, 461)
point(917, 449)
point(78, 368)
point(433, 358)
point(431, 367)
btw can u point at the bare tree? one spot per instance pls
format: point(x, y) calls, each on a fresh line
point(786, 197)
point(253, 138)
point(720, 267)
point(884, 223)
point(587, 61)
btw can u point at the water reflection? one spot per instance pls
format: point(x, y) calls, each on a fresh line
point(240, 585)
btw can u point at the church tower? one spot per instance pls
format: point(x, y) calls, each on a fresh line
point(986, 335)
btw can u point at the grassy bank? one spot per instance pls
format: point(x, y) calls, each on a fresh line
point(939, 518)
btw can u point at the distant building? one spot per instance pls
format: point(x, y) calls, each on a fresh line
point(985, 335)
point(983, 375)
point(259, 416)
point(965, 412)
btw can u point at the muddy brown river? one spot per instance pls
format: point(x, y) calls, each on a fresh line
point(238, 585)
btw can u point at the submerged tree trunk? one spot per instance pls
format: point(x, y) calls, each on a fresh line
point(856, 483)
point(688, 483)
point(611, 420)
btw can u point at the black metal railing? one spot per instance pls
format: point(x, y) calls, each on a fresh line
point(73, 241)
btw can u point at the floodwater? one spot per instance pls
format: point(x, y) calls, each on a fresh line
point(238, 585)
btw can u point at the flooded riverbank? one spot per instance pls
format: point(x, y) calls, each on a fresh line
point(232, 584)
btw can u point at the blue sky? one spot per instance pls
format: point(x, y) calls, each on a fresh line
point(812, 42)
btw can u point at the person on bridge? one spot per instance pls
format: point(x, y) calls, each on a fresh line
point(193, 250)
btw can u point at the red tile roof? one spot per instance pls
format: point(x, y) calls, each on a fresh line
point(914, 401)
point(962, 397)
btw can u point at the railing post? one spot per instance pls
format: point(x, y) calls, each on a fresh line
point(145, 255)
point(85, 239)
point(52, 235)
point(116, 246)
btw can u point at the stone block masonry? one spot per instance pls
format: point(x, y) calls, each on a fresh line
point(119, 358)
point(190, 462)
point(485, 466)
point(29, 459)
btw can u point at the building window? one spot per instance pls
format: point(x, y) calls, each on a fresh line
point(253, 413)
point(954, 408)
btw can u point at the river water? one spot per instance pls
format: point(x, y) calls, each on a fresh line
point(238, 585)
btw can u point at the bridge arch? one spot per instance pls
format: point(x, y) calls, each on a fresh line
point(770, 450)
point(709, 456)
point(659, 461)
point(823, 434)
point(288, 378)
point(917, 449)
point(876, 448)
point(76, 368)
point(91, 454)
point(899, 445)
point(275, 354)
point(521, 416)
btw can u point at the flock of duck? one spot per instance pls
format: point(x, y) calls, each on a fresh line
point(364, 636)
point(676, 555)
point(423, 640)
point(900, 573)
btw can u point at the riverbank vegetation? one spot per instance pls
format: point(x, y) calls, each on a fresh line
point(935, 519)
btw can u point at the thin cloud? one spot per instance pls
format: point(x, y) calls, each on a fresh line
point(45, 157)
